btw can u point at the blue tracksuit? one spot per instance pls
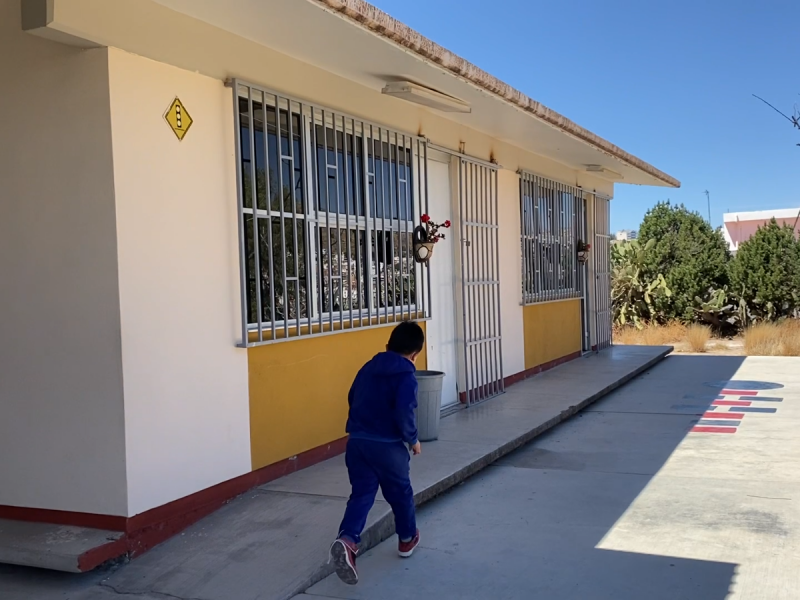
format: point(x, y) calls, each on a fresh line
point(381, 424)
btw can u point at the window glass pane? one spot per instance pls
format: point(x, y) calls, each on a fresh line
point(391, 182)
point(290, 178)
point(283, 252)
point(378, 274)
point(407, 271)
point(246, 167)
point(345, 289)
point(341, 186)
point(252, 300)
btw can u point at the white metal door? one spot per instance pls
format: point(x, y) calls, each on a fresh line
point(441, 329)
point(480, 281)
point(602, 269)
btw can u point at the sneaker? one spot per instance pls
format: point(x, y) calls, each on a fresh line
point(343, 554)
point(406, 549)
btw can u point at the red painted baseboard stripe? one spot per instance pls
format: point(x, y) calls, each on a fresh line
point(523, 375)
point(527, 373)
point(701, 429)
point(148, 529)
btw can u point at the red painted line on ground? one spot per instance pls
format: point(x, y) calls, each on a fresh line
point(738, 393)
point(723, 415)
point(730, 403)
point(700, 429)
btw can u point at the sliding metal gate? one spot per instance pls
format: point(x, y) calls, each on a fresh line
point(602, 269)
point(480, 280)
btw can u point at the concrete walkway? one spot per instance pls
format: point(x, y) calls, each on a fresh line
point(272, 543)
point(682, 485)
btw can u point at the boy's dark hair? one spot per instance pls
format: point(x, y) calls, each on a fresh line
point(406, 339)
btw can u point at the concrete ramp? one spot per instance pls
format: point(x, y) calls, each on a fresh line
point(56, 547)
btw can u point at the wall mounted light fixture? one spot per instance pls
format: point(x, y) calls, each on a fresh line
point(412, 92)
point(604, 172)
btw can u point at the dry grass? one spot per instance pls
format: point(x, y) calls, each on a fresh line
point(650, 335)
point(773, 339)
point(698, 336)
point(764, 339)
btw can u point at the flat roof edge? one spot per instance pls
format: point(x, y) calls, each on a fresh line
point(759, 215)
point(390, 28)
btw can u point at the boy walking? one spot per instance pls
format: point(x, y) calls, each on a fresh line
point(383, 430)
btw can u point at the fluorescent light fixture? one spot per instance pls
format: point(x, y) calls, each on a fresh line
point(603, 172)
point(405, 90)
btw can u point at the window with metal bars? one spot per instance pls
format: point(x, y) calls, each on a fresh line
point(552, 222)
point(332, 202)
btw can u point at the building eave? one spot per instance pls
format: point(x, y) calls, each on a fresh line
point(372, 18)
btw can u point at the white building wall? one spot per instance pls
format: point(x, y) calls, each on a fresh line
point(62, 434)
point(740, 227)
point(186, 382)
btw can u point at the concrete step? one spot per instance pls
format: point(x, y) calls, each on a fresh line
point(57, 547)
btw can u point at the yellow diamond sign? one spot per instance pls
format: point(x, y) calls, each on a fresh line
point(178, 119)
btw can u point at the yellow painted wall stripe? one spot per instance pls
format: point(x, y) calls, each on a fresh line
point(298, 390)
point(552, 331)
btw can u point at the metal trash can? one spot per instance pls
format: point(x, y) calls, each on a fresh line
point(429, 404)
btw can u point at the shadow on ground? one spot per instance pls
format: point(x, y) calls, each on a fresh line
point(531, 526)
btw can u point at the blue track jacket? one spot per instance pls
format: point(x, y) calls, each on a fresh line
point(383, 400)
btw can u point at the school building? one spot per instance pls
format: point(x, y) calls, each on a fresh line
point(207, 216)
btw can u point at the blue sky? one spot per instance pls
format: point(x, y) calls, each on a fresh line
point(670, 82)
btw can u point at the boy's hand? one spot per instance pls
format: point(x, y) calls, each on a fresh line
point(415, 448)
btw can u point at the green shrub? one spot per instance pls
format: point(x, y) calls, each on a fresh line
point(765, 273)
point(688, 252)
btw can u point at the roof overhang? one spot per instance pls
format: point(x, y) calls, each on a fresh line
point(356, 41)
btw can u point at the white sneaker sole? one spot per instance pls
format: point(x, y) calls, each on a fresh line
point(410, 552)
point(340, 557)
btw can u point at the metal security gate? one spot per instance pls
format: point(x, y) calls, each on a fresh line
point(480, 281)
point(602, 269)
point(582, 229)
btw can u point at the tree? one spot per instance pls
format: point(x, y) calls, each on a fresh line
point(688, 252)
point(765, 272)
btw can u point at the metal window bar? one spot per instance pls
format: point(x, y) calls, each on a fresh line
point(602, 265)
point(327, 205)
point(549, 237)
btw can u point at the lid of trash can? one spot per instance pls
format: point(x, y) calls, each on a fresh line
point(429, 374)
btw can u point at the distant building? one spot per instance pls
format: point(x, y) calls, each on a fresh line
point(739, 227)
point(627, 235)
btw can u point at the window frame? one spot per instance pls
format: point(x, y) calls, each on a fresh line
point(407, 155)
point(550, 228)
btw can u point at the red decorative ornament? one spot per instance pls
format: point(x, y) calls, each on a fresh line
point(425, 237)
